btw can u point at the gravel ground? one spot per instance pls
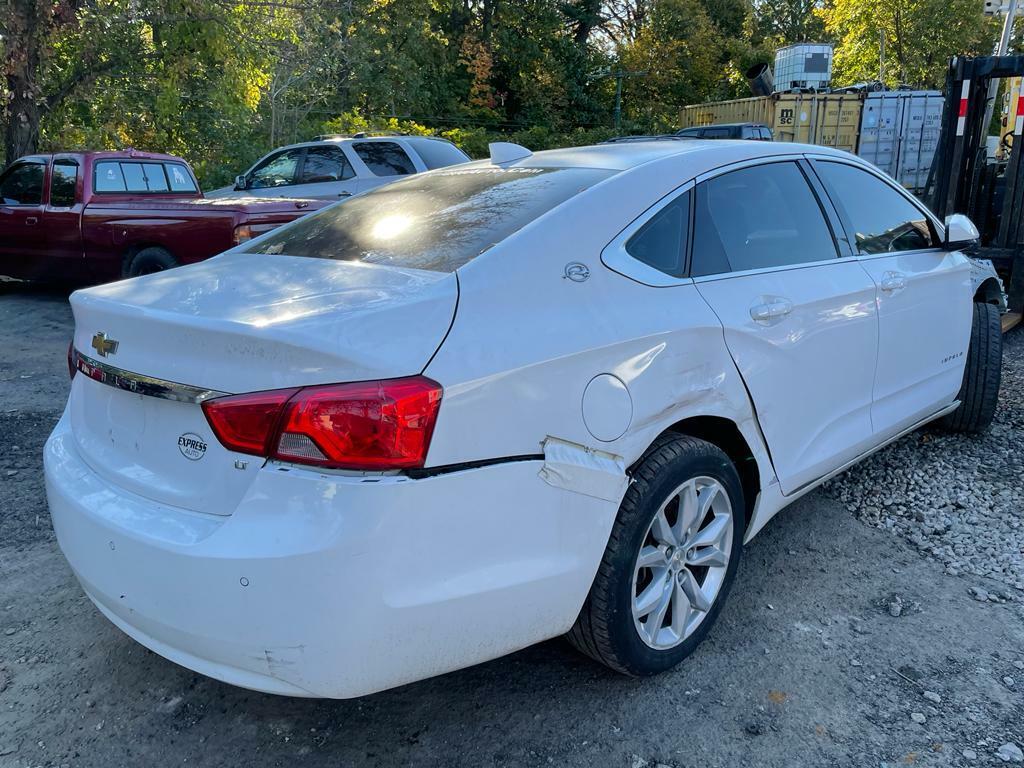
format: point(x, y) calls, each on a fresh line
point(957, 498)
point(841, 645)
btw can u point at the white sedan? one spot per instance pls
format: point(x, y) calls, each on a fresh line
point(489, 405)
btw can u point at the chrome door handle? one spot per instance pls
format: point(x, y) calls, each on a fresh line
point(344, 194)
point(31, 220)
point(893, 281)
point(771, 310)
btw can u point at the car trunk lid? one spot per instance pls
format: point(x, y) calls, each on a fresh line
point(236, 323)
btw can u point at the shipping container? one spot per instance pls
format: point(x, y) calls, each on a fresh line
point(757, 109)
point(805, 65)
point(828, 119)
point(899, 132)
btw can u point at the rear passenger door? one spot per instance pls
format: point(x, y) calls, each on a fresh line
point(924, 295)
point(798, 312)
point(326, 174)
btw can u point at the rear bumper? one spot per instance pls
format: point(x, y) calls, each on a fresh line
point(328, 585)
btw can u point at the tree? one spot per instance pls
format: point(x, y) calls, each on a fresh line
point(920, 37)
point(784, 22)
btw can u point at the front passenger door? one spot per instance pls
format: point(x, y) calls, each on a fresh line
point(924, 295)
point(799, 320)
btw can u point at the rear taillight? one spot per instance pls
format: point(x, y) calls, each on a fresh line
point(370, 425)
point(245, 423)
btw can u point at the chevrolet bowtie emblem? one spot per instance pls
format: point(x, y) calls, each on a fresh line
point(103, 345)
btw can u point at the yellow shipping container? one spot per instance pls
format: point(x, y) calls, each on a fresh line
point(828, 119)
point(759, 109)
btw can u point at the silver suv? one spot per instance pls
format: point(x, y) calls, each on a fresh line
point(333, 167)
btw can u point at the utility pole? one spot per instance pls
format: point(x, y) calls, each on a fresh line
point(619, 75)
point(1004, 46)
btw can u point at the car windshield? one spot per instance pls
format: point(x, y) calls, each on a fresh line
point(437, 221)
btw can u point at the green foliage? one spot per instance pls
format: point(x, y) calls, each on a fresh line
point(221, 82)
point(920, 37)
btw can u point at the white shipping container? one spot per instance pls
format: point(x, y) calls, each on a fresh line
point(899, 132)
point(805, 65)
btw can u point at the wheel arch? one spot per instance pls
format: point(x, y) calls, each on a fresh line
point(725, 434)
point(989, 292)
point(130, 251)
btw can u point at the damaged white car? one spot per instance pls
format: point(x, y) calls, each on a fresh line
point(493, 404)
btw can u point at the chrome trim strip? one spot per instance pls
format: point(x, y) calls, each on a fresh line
point(140, 384)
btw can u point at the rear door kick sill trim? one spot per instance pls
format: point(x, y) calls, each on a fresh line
point(825, 478)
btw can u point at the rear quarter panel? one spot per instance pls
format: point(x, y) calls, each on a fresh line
point(526, 342)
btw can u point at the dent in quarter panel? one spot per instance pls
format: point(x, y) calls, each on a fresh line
point(526, 343)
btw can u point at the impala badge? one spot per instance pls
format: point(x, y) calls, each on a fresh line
point(103, 345)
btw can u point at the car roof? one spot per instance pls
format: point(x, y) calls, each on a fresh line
point(701, 154)
point(335, 140)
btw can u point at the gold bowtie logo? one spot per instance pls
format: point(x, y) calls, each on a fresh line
point(103, 345)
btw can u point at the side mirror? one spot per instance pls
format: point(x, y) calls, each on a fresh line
point(961, 233)
point(240, 182)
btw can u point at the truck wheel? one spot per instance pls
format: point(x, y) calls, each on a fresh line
point(980, 389)
point(671, 558)
point(147, 261)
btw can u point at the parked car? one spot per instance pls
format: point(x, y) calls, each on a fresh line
point(753, 131)
point(342, 166)
point(494, 404)
point(99, 216)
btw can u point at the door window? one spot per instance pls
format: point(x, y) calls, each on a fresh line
point(326, 164)
point(63, 183)
point(23, 184)
point(661, 242)
point(716, 133)
point(276, 171)
point(384, 158)
point(758, 217)
point(881, 218)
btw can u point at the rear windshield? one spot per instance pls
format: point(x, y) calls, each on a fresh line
point(437, 221)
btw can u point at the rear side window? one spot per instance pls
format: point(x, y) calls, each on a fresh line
point(438, 221)
point(23, 184)
point(756, 218)
point(63, 183)
point(440, 154)
point(882, 219)
point(384, 158)
point(179, 177)
point(715, 133)
point(661, 242)
point(325, 164)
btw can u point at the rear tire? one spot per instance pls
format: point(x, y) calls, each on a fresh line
point(658, 553)
point(147, 261)
point(980, 389)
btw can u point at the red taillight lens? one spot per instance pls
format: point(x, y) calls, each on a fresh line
point(246, 423)
point(372, 425)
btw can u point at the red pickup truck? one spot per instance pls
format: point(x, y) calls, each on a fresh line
point(98, 216)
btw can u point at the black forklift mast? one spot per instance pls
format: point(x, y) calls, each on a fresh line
point(963, 179)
